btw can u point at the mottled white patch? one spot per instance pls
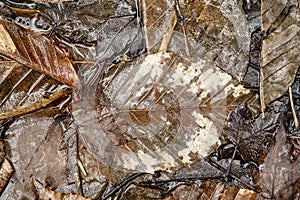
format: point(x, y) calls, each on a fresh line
point(238, 90)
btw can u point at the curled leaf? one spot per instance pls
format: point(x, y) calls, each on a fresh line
point(37, 52)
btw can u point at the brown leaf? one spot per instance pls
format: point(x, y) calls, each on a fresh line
point(46, 194)
point(37, 52)
point(24, 90)
point(167, 107)
point(253, 138)
point(280, 56)
point(278, 175)
point(44, 149)
point(221, 29)
point(6, 171)
point(159, 20)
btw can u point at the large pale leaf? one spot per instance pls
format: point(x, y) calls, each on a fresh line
point(158, 112)
point(280, 56)
point(37, 52)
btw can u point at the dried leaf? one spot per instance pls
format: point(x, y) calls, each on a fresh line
point(37, 52)
point(6, 171)
point(168, 109)
point(159, 19)
point(253, 138)
point(280, 56)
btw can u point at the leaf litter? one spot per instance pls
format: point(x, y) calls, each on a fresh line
point(110, 135)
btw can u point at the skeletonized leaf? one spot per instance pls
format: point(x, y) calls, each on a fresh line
point(163, 108)
point(37, 52)
point(280, 56)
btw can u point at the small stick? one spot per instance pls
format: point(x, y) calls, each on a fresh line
point(221, 168)
point(122, 184)
point(293, 109)
point(84, 61)
point(81, 167)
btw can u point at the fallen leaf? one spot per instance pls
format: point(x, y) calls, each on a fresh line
point(280, 56)
point(6, 171)
point(37, 52)
point(252, 137)
point(46, 194)
point(278, 176)
point(251, 78)
point(169, 110)
point(42, 146)
point(221, 30)
point(24, 90)
point(159, 20)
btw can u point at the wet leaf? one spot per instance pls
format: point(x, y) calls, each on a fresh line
point(37, 52)
point(169, 110)
point(6, 171)
point(253, 137)
point(46, 194)
point(279, 177)
point(280, 56)
point(159, 20)
point(24, 90)
point(251, 78)
point(43, 149)
point(222, 31)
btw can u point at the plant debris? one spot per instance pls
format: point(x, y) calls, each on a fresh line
point(169, 99)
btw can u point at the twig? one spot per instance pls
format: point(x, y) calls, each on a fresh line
point(221, 168)
point(293, 109)
point(122, 184)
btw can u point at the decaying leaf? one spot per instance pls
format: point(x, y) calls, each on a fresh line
point(42, 147)
point(46, 194)
point(251, 78)
point(280, 56)
point(37, 52)
point(159, 20)
point(6, 171)
point(221, 29)
point(279, 177)
point(253, 137)
point(166, 112)
point(24, 90)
